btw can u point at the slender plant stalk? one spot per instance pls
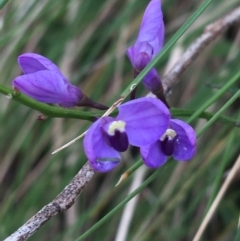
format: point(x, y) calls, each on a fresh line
point(46, 110)
point(57, 112)
point(3, 3)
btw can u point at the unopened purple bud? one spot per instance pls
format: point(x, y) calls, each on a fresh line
point(150, 38)
point(149, 43)
point(44, 82)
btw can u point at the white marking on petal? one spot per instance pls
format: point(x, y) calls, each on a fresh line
point(170, 133)
point(116, 125)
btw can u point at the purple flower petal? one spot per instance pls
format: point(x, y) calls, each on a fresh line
point(48, 87)
point(146, 120)
point(152, 155)
point(185, 143)
point(31, 63)
point(152, 27)
point(101, 156)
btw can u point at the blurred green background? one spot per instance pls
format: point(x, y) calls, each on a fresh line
point(87, 39)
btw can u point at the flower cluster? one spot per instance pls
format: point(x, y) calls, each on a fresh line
point(140, 122)
point(145, 122)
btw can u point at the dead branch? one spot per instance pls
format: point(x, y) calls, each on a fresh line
point(211, 32)
point(61, 203)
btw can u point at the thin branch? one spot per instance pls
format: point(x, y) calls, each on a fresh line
point(211, 32)
point(61, 203)
point(68, 196)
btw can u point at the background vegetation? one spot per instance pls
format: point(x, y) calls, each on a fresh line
point(87, 40)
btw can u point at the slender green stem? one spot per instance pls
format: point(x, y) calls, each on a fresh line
point(57, 112)
point(222, 165)
point(237, 237)
point(120, 205)
point(215, 97)
point(202, 114)
point(2, 3)
point(47, 110)
point(218, 114)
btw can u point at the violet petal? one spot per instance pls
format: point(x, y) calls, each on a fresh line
point(152, 155)
point(115, 135)
point(152, 27)
point(146, 120)
point(101, 156)
point(48, 87)
point(185, 141)
point(167, 145)
point(74, 97)
point(143, 55)
point(31, 63)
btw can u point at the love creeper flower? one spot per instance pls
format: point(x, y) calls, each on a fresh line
point(140, 122)
point(178, 141)
point(149, 43)
point(44, 82)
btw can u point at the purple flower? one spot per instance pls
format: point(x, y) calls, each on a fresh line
point(178, 141)
point(149, 43)
point(140, 122)
point(43, 81)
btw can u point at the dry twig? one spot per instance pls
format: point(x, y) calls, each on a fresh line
point(211, 32)
point(61, 203)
